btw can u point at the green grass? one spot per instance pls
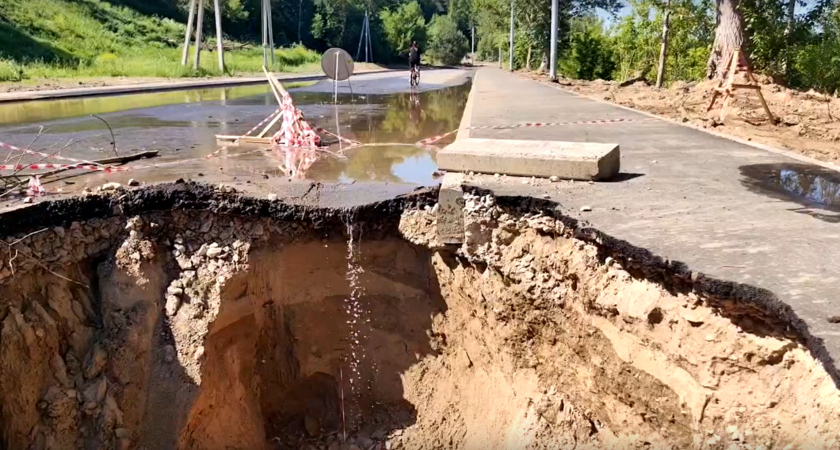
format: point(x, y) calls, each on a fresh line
point(94, 38)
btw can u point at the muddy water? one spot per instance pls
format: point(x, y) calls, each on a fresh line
point(809, 185)
point(183, 125)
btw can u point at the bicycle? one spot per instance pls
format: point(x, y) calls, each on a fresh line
point(415, 76)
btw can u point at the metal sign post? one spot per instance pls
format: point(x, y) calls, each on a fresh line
point(511, 36)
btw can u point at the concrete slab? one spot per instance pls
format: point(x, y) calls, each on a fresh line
point(450, 222)
point(568, 160)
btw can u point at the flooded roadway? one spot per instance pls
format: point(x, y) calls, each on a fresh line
point(182, 126)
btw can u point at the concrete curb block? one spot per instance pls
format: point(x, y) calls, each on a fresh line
point(466, 117)
point(760, 146)
point(530, 158)
point(450, 221)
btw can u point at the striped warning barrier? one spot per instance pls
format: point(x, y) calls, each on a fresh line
point(259, 125)
point(93, 167)
point(46, 155)
point(437, 138)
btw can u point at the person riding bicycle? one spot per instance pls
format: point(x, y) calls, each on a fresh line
point(414, 56)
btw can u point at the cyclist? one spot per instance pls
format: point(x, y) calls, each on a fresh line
point(414, 57)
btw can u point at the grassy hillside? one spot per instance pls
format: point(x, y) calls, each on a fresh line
point(92, 38)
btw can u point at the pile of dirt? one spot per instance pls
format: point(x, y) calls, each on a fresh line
point(268, 326)
point(807, 122)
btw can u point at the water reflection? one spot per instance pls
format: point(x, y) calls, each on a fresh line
point(40, 111)
point(809, 185)
point(185, 133)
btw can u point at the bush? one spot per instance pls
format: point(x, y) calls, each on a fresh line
point(818, 66)
point(447, 45)
point(590, 54)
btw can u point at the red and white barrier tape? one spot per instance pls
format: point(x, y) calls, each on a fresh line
point(47, 155)
point(271, 116)
point(432, 140)
point(557, 124)
point(97, 168)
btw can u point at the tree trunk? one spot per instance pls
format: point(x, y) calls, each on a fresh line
point(729, 35)
point(788, 55)
point(544, 62)
point(663, 50)
point(528, 60)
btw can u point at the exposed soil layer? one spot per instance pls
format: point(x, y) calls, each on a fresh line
point(182, 317)
point(808, 122)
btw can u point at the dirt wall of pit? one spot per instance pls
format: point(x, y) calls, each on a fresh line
point(182, 317)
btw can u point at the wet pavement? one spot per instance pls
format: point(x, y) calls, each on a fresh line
point(182, 127)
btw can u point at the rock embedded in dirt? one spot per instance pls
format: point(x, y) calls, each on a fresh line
point(95, 361)
point(109, 187)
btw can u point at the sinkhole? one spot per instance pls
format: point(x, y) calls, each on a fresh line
point(181, 317)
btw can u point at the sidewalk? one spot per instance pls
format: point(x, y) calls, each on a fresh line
point(684, 195)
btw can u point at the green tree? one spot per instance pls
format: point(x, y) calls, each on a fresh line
point(636, 39)
point(590, 55)
point(447, 45)
point(404, 25)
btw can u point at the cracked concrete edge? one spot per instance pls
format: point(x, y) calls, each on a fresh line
point(758, 145)
point(674, 274)
point(466, 117)
point(385, 215)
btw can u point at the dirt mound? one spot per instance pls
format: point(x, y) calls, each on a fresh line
point(808, 122)
point(200, 329)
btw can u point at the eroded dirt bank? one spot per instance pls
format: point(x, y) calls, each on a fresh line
point(181, 317)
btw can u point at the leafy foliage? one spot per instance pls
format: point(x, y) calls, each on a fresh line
point(589, 55)
point(447, 45)
point(404, 25)
point(637, 38)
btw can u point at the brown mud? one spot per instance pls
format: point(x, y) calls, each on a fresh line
point(808, 123)
point(180, 316)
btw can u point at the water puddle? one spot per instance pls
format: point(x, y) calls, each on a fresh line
point(809, 185)
point(182, 127)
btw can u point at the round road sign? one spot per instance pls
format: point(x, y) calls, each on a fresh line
point(337, 64)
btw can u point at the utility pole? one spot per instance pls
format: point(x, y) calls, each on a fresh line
point(270, 25)
point(663, 50)
point(472, 37)
point(367, 34)
point(219, 39)
point(199, 24)
point(510, 64)
point(300, 17)
point(365, 38)
point(190, 22)
point(552, 71)
point(264, 16)
point(370, 43)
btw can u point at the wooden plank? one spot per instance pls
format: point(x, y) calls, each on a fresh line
point(746, 86)
point(244, 139)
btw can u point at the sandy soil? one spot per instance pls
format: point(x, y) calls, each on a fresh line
point(808, 122)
